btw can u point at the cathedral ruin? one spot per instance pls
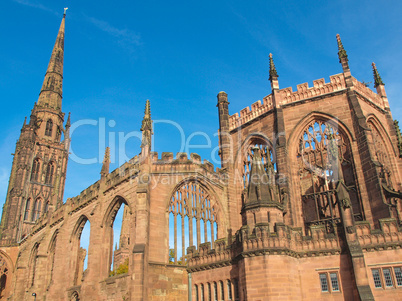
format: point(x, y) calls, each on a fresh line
point(305, 206)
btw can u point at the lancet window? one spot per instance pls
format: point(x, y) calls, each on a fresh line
point(32, 265)
point(49, 128)
point(37, 209)
point(49, 173)
point(35, 170)
point(267, 156)
point(323, 156)
point(27, 209)
point(193, 219)
point(381, 155)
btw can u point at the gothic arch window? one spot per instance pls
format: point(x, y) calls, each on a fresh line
point(51, 256)
point(193, 219)
point(82, 229)
point(27, 209)
point(320, 142)
point(32, 265)
point(37, 209)
point(4, 269)
point(35, 170)
point(46, 209)
point(49, 173)
point(49, 128)
point(267, 156)
point(381, 154)
point(117, 232)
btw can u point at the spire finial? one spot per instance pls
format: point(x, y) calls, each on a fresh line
point(65, 10)
point(146, 127)
point(341, 51)
point(25, 122)
point(272, 69)
point(51, 93)
point(106, 163)
point(377, 78)
point(68, 123)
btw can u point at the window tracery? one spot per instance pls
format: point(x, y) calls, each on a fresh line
point(193, 219)
point(321, 145)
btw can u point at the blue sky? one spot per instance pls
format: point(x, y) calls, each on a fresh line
point(179, 55)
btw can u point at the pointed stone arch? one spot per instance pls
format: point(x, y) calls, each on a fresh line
point(32, 265)
point(107, 225)
point(193, 198)
point(311, 173)
point(244, 157)
point(113, 208)
point(51, 252)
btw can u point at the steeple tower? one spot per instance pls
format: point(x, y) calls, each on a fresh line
point(52, 88)
point(39, 168)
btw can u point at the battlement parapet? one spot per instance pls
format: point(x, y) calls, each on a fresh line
point(367, 93)
point(284, 240)
point(389, 234)
point(287, 96)
point(257, 109)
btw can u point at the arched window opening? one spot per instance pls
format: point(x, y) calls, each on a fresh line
point(193, 219)
point(51, 256)
point(49, 128)
point(49, 173)
point(35, 170)
point(58, 133)
point(37, 209)
point(32, 265)
point(3, 276)
point(83, 235)
point(222, 290)
point(387, 176)
point(268, 158)
point(27, 210)
point(322, 150)
point(229, 284)
point(215, 291)
point(196, 292)
point(46, 207)
point(202, 292)
point(120, 240)
point(209, 292)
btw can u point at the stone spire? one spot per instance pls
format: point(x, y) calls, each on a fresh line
point(380, 86)
point(341, 51)
point(106, 162)
point(343, 57)
point(377, 78)
point(52, 89)
point(273, 75)
point(146, 127)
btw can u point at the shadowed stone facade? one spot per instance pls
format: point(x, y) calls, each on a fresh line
point(306, 205)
